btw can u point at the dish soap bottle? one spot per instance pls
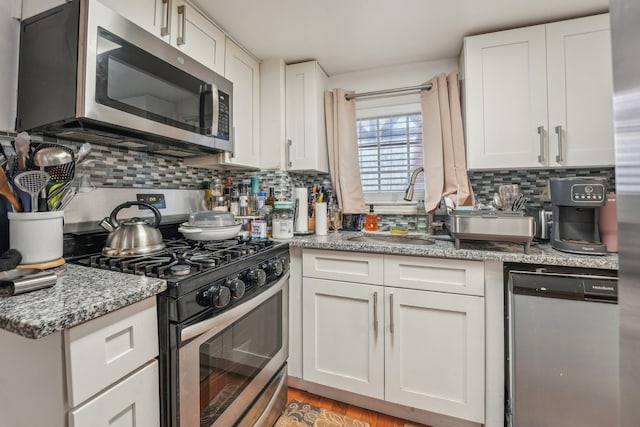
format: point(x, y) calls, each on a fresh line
point(371, 220)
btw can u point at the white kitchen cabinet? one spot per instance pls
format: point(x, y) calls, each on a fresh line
point(530, 90)
point(306, 134)
point(434, 352)
point(402, 329)
point(244, 71)
point(101, 372)
point(152, 15)
point(197, 36)
point(343, 345)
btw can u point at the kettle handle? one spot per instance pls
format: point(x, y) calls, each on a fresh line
point(114, 222)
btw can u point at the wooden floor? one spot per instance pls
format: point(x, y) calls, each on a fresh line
point(375, 419)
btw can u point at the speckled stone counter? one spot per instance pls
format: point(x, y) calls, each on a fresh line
point(470, 250)
point(80, 294)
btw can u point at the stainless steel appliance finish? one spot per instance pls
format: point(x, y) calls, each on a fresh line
point(563, 349)
point(625, 15)
point(491, 225)
point(222, 326)
point(132, 237)
point(87, 73)
point(543, 223)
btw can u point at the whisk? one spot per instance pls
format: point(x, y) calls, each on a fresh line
point(32, 182)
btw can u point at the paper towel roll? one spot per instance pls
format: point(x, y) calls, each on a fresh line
point(321, 219)
point(302, 216)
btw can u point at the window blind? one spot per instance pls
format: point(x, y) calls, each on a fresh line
point(389, 149)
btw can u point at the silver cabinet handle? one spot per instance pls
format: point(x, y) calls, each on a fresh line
point(541, 156)
point(560, 157)
point(375, 314)
point(182, 39)
point(391, 328)
point(289, 144)
point(166, 12)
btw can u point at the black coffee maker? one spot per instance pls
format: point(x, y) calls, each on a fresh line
point(576, 204)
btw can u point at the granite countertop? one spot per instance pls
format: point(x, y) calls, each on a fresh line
point(80, 294)
point(469, 250)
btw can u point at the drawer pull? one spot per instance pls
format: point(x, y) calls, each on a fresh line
point(391, 327)
point(182, 38)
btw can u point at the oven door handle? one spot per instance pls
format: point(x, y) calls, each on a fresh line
point(226, 318)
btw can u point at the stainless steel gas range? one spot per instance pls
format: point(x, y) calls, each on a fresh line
point(222, 325)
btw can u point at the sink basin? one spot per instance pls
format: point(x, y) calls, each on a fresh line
point(402, 240)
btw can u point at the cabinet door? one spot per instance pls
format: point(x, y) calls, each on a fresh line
point(152, 15)
point(196, 36)
point(343, 344)
point(305, 125)
point(132, 402)
point(244, 72)
point(505, 93)
point(434, 352)
point(580, 92)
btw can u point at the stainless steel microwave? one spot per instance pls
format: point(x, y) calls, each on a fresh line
point(87, 73)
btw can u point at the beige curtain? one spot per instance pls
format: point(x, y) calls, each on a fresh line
point(344, 166)
point(445, 163)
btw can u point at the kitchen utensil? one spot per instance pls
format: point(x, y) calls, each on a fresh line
point(10, 259)
point(19, 281)
point(508, 193)
point(5, 190)
point(83, 152)
point(44, 265)
point(132, 237)
point(519, 203)
point(66, 198)
point(32, 182)
point(211, 219)
point(57, 160)
point(210, 233)
point(36, 235)
point(22, 145)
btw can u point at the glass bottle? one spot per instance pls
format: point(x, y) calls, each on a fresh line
point(371, 220)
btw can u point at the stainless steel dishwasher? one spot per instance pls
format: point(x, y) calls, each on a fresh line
point(562, 361)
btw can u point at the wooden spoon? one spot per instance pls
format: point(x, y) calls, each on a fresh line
point(5, 190)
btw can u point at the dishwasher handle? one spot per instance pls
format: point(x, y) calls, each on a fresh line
point(578, 287)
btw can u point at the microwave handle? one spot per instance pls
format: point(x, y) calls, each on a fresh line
point(209, 96)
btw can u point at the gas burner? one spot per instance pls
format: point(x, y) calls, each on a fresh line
point(180, 270)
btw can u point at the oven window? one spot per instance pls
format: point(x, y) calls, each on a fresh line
point(231, 359)
point(132, 80)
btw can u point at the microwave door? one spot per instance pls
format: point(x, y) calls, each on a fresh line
point(209, 109)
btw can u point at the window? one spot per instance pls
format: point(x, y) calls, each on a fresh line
point(389, 149)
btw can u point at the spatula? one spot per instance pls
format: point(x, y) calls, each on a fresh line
point(32, 183)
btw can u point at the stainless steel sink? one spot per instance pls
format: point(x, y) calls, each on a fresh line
point(401, 240)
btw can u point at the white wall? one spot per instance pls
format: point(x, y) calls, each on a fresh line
point(9, 45)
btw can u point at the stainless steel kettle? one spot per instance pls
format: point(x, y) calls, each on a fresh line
point(132, 237)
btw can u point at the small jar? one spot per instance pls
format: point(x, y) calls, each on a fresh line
point(282, 222)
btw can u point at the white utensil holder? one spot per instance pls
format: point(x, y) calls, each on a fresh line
point(36, 235)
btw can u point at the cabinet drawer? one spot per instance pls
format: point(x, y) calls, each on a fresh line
point(132, 402)
point(102, 351)
point(343, 266)
point(435, 274)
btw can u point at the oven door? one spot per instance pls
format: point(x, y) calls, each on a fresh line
point(226, 361)
point(136, 80)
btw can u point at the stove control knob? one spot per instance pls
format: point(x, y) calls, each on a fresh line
point(256, 277)
point(218, 296)
point(236, 287)
point(275, 267)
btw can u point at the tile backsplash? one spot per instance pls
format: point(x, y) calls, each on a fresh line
point(113, 167)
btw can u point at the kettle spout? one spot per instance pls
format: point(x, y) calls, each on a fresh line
point(106, 224)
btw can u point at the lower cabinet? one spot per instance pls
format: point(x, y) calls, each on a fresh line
point(102, 372)
point(414, 347)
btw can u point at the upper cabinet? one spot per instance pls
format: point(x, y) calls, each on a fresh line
point(540, 96)
point(152, 15)
point(244, 71)
point(196, 36)
point(305, 126)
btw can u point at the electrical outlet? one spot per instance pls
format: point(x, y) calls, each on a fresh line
point(545, 195)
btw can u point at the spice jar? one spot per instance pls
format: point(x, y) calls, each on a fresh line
point(282, 222)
